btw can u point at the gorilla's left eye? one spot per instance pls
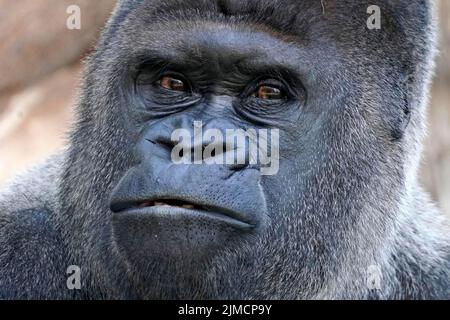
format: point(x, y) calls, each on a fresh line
point(173, 83)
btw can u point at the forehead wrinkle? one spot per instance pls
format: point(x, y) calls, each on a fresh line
point(221, 45)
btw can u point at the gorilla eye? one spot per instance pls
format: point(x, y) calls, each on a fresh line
point(269, 92)
point(172, 83)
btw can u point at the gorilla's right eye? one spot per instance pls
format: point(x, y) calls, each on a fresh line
point(173, 83)
point(267, 92)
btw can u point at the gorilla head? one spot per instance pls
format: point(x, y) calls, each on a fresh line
point(347, 105)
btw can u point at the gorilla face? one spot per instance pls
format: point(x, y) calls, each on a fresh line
point(229, 80)
point(226, 230)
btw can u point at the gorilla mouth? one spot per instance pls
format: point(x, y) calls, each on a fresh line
point(165, 203)
point(169, 203)
point(171, 207)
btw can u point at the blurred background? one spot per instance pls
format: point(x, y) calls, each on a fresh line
point(40, 68)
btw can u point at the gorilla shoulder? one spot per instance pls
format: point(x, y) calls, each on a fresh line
point(31, 251)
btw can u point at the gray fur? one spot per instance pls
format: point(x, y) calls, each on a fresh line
point(353, 200)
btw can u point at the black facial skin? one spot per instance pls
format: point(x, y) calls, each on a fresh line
point(348, 103)
point(223, 73)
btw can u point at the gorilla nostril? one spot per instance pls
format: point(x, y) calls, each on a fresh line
point(167, 143)
point(237, 166)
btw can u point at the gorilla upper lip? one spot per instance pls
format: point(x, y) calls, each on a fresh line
point(128, 206)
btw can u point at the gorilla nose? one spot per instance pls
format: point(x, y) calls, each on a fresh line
point(193, 151)
point(186, 141)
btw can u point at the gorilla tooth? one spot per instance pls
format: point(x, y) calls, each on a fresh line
point(146, 204)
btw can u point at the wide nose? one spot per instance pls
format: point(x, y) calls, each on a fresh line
point(186, 139)
point(215, 185)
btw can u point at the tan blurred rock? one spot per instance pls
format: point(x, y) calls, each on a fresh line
point(35, 120)
point(443, 62)
point(435, 170)
point(34, 39)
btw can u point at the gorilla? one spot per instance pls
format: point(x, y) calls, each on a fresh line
point(343, 217)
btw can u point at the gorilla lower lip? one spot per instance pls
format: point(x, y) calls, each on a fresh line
point(179, 212)
point(172, 208)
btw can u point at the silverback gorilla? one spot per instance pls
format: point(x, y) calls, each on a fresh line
point(343, 218)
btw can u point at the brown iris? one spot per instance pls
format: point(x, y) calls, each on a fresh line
point(268, 93)
point(172, 83)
